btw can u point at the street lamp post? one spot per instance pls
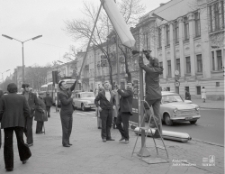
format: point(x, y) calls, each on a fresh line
point(3, 73)
point(22, 42)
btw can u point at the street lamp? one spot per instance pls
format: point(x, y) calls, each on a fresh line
point(3, 73)
point(22, 42)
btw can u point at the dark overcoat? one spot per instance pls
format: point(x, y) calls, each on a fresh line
point(66, 100)
point(40, 111)
point(153, 89)
point(104, 103)
point(32, 102)
point(48, 101)
point(13, 110)
point(126, 101)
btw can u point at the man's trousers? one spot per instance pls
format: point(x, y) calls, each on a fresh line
point(124, 130)
point(24, 151)
point(106, 117)
point(29, 130)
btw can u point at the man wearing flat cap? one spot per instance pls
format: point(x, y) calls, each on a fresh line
point(32, 102)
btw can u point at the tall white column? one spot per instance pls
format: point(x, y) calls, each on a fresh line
point(205, 41)
point(191, 40)
point(181, 46)
point(172, 49)
point(163, 41)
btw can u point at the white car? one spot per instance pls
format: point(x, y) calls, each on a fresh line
point(173, 108)
point(84, 100)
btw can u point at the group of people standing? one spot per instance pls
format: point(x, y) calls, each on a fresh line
point(16, 115)
point(114, 111)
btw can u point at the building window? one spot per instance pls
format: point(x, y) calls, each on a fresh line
point(187, 88)
point(178, 64)
point(176, 32)
point(197, 25)
point(177, 90)
point(198, 90)
point(219, 59)
point(217, 84)
point(213, 61)
point(186, 28)
point(169, 68)
point(167, 34)
point(160, 36)
point(160, 64)
point(188, 65)
point(216, 16)
point(199, 63)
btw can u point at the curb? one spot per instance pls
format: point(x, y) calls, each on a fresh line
point(212, 108)
point(207, 142)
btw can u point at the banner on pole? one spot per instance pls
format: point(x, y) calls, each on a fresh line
point(118, 23)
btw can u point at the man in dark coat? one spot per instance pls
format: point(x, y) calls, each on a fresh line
point(66, 112)
point(32, 102)
point(125, 111)
point(13, 112)
point(106, 106)
point(153, 91)
point(48, 103)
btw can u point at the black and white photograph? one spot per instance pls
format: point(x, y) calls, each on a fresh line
point(112, 86)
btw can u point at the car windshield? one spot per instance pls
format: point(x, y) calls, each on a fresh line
point(86, 95)
point(171, 99)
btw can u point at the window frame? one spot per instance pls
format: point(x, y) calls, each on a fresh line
point(197, 24)
point(199, 68)
point(186, 29)
point(188, 64)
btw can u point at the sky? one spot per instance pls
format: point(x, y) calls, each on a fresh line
point(25, 19)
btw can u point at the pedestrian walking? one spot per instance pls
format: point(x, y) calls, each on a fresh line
point(203, 94)
point(153, 90)
point(1, 94)
point(66, 112)
point(125, 111)
point(106, 106)
point(32, 102)
point(13, 112)
point(48, 103)
point(40, 115)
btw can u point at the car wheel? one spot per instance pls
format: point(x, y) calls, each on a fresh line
point(193, 122)
point(167, 120)
point(82, 107)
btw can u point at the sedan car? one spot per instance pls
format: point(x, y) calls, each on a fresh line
point(84, 100)
point(173, 108)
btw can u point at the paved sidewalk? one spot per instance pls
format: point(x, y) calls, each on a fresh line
point(212, 104)
point(89, 155)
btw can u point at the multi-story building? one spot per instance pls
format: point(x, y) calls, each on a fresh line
point(189, 44)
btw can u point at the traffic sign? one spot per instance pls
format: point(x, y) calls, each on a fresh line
point(177, 83)
point(176, 72)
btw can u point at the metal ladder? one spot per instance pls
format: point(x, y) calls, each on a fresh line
point(146, 132)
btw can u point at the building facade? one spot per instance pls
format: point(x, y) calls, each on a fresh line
point(189, 44)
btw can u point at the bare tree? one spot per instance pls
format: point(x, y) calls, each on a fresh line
point(80, 29)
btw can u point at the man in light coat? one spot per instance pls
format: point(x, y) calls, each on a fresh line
point(106, 106)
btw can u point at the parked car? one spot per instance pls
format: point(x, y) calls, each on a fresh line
point(84, 100)
point(173, 108)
